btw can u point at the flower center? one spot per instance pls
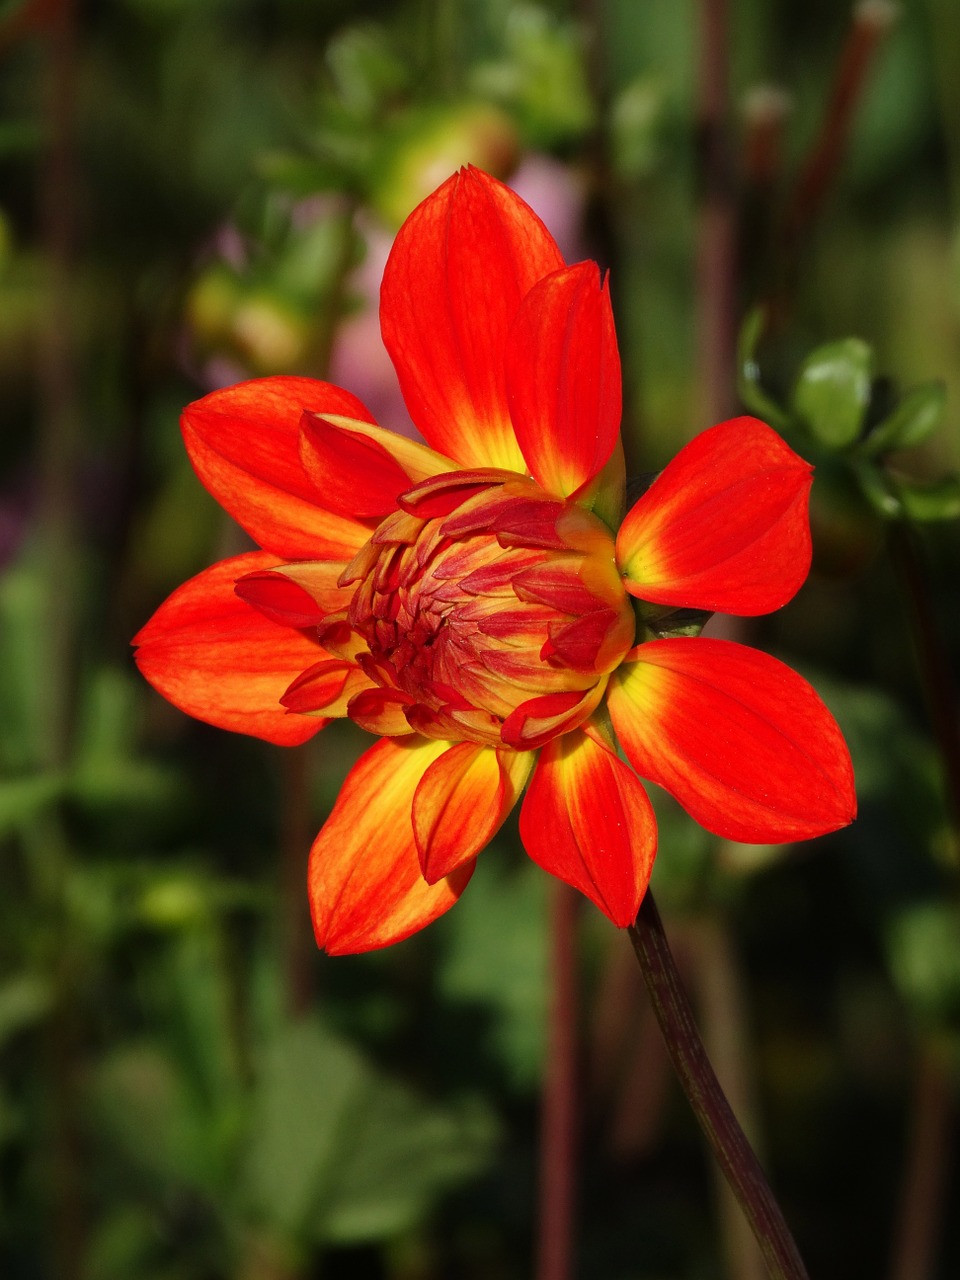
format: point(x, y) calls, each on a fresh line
point(484, 594)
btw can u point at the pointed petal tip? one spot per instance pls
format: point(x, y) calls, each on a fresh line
point(365, 886)
point(458, 270)
point(564, 380)
point(587, 820)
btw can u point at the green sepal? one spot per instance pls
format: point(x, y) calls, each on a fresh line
point(749, 388)
point(666, 622)
point(832, 391)
point(916, 418)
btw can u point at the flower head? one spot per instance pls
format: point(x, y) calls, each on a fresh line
point(480, 601)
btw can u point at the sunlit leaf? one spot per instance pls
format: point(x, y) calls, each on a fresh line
point(833, 390)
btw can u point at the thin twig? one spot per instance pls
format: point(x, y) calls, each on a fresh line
point(558, 1136)
point(740, 1165)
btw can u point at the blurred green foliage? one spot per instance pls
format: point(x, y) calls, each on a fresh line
point(197, 191)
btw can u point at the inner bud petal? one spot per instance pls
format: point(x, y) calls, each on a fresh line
point(486, 610)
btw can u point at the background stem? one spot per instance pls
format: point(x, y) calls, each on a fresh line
point(721, 1129)
point(559, 1104)
point(920, 1214)
point(716, 233)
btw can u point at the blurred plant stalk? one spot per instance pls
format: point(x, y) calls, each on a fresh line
point(559, 1106)
point(59, 449)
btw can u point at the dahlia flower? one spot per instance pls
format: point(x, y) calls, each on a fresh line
point(481, 603)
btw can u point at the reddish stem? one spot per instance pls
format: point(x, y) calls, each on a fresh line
point(734, 1154)
point(558, 1137)
point(872, 20)
point(716, 236)
point(922, 1198)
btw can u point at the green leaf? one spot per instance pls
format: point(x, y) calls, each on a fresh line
point(496, 957)
point(24, 799)
point(916, 418)
point(311, 1090)
point(748, 373)
point(24, 1000)
point(402, 1154)
point(924, 951)
point(340, 1152)
point(146, 1109)
point(931, 501)
point(27, 710)
point(636, 125)
point(833, 390)
point(875, 485)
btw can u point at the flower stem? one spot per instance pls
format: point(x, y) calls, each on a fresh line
point(559, 1103)
point(733, 1152)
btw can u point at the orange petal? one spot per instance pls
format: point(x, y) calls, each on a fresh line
point(743, 742)
point(563, 378)
point(218, 659)
point(458, 271)
point(461, 803)
point(724, 526)
point(361, 469)
point(587, 820)
point(365, 886)
point(243, 442)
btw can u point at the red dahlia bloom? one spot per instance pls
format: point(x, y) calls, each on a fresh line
point(469, 599)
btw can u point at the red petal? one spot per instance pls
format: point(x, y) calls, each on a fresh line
point(743, 742)
point(244, 445)
point(461, 803)
point(458, 271)
point(297, 595)
point(587, 820)
point(218, 659)
point(360, 469)
point(595, 642)
point(559, 584)
point(443, 494)
point(381, 711)
point(365, 886)
point(539, 719)
point(724, 526)
point(280, 599)
point(326, 687)
point(563, 378)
